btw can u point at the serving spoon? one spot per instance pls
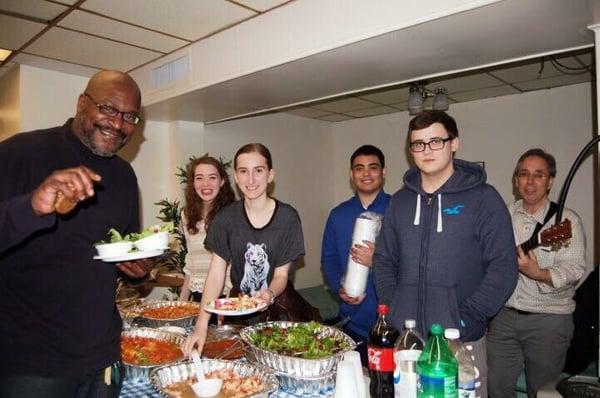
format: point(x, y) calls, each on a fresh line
point(204, 388)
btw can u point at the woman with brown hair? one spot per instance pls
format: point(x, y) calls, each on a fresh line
point(207, 191)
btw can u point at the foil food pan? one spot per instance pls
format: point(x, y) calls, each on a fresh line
point(293, 366)
point(164, 376)
point(142, 372)
point(186, 322)
point(306, 386)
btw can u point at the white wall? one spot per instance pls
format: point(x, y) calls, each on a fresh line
point(496, 131)
point(48, 98)
point(301, 151)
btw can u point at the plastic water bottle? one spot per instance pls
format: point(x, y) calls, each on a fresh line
point(467, 372)
point(408, 349)
point(437, 367)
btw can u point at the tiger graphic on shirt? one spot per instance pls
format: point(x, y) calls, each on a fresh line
point(256, 269)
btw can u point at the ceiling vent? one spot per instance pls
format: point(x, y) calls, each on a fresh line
point(170, 72)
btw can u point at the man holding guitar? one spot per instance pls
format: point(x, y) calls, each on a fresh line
point(535, 327)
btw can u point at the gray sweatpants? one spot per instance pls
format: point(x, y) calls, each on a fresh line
point(537, 341)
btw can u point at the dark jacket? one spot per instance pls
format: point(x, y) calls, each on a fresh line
point(447, 257)
point(57, 305)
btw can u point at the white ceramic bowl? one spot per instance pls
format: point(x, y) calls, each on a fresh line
point(113, 249)
point(157, 241)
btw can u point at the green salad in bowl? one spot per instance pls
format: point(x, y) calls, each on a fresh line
point(115, 245)
point(155, 237)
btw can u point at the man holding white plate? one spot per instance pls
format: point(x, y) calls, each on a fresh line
point(62, 189)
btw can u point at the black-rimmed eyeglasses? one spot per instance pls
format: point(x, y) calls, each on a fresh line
point(435, 144)
point(108, 110)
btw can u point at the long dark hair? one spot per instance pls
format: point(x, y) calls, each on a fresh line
point(194, 206)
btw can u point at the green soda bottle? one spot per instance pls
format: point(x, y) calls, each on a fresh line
point(437, 367)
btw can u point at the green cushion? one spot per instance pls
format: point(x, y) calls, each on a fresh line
point(322, 299)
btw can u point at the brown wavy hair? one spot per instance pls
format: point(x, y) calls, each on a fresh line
point(194, 206)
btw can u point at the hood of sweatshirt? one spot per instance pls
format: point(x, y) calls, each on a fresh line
point(466, 176)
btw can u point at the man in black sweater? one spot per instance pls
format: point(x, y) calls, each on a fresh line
point(59, 327)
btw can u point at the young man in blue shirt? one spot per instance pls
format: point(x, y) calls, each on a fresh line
point(367, 175)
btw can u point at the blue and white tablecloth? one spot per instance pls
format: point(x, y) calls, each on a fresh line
point(145, 390)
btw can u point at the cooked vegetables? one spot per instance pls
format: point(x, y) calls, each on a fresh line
point(148, 351)
point(302, 341)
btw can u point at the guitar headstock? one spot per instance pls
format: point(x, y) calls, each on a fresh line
point(557, 235)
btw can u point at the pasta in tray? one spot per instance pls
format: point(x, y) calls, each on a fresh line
point(171, 312)
point(234, 386)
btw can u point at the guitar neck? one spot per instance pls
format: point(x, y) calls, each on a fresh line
point(530, 244)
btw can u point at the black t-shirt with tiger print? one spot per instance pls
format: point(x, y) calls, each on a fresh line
point(254, 253)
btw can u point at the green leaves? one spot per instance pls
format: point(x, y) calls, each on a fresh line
point(303, 341)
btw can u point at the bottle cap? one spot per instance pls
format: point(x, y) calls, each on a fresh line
point(383, 309)
point(436, 328)
point(452, 334)
point(410, 323)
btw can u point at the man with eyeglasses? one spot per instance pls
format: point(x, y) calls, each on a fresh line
point(61, 190)
point(445, 253)
point(535, 327)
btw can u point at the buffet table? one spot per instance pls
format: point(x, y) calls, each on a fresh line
point(145, 390)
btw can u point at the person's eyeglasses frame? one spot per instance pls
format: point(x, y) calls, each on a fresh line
point(110, 111)
point(536, 176)
point(428, 144)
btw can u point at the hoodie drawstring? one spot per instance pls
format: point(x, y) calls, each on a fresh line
point(417, 210)
point(439, 220)
point(416, 221)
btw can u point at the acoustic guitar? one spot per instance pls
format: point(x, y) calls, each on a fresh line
point(555, 237)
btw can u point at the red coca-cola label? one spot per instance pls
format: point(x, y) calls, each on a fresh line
point(381, 359)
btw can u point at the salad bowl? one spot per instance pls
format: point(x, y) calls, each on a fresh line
point(301, 360)
point(113, 249)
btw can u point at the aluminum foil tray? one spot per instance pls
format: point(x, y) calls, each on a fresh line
point(292, 366)
point(307, 386)
point(142, 372)
point(185, 322)
point(164, 376)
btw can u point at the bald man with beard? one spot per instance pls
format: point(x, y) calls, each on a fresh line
point(61, 190)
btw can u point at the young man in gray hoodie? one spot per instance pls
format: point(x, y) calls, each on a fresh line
point(446, 251)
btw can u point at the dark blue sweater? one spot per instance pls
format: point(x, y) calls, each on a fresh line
point(57, 307)
point(337, 240)
point(447, 257)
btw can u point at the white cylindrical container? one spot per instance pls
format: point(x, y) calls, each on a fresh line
point(366, 227)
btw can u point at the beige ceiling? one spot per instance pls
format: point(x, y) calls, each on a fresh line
point(88, 35)
point(124, 35)
point(515, 78)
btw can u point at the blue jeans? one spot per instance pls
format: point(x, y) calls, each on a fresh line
point(90, 385)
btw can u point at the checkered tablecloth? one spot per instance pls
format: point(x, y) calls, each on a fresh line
point(145, 390)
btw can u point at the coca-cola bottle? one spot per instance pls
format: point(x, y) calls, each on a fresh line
point(382, 338)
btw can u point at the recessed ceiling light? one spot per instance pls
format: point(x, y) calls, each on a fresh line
point(4, 54)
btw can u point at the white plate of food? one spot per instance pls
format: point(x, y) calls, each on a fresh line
point(131, 256)
point(235, 306)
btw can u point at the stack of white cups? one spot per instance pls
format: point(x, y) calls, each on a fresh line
point(366, 227)
point(350, 368)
